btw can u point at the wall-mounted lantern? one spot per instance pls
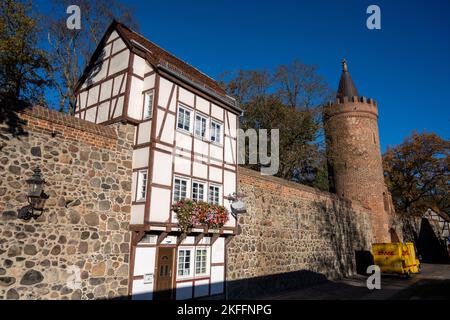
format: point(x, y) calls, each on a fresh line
point(36, 197)
point(237, 205)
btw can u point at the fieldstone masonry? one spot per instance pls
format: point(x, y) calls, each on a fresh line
point(79, 247)
point(291, 236)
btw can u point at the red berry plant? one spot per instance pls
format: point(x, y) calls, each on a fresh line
point(193, 213)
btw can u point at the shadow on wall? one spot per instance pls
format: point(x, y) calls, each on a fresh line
point(429, 246)
point(11, 123)
point(349, 241)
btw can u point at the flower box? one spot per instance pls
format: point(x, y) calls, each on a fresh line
point(192, 213)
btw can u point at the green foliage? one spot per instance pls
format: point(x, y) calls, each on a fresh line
point(286, 99)
point(24, 67)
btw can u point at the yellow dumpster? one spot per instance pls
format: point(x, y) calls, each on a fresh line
point(396, 257)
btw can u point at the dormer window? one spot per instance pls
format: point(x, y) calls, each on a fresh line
point(148, 105)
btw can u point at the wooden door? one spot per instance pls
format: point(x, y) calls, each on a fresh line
point(165, 274)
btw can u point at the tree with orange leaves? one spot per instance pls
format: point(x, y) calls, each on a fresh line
point(417, 173)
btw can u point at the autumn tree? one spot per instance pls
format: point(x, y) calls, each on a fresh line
point(287, 99)
point(71, 49)
point(24, 67)
point(417, 173)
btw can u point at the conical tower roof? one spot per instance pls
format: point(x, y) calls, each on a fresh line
point(346, 87)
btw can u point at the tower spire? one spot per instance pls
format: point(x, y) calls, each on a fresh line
point(346, 87)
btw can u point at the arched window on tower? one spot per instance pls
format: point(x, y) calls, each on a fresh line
point(374, 138)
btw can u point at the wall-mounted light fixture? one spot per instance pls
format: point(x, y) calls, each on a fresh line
point(237, 205)
point(36, 197)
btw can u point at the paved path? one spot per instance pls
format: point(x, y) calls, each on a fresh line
point(355, 287)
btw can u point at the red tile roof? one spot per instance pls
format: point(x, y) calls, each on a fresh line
point(163, 57)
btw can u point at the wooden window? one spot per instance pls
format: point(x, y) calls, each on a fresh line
point(214, 194)
point(180, 189)
point(148, 105)
point(216, 132)
point(142, 185)
point(201, 258)
point(184, 119)
point(198, 191)
point(184, 262)
point(201, 123)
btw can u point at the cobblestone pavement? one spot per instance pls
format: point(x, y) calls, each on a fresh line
point(392, 287)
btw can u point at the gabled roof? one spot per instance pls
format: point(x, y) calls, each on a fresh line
point(162, 59)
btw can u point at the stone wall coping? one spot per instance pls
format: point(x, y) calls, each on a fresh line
point(298, 186)
point(69, 121)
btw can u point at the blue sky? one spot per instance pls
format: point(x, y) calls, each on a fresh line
point(405, 66)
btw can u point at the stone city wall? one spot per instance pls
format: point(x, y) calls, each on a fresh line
point(291, 236)
point(79, 247)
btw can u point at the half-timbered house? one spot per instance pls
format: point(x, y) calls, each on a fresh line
point(185, 147)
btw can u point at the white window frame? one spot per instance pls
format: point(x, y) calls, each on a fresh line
point(213, 131)
point(187, 180)
point(191, 263)
point(191, 118)
point(206, 133)
point(207, 261)
point(146, 113)
point(141, 185)
point(220, 193)
point(205, 190)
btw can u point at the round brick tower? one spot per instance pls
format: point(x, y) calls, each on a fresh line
point(353, 153)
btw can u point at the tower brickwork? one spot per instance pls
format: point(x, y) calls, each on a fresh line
point(353, 151)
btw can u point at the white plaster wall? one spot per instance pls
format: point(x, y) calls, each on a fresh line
point(215, 174)
point(142, 291)
point(186, 97)
point(160, 204)
point(137, 214)
point(200, 170)
point(149, 82)
point(139, 66)
point(118, 45)
point(165, 87)
point(119, 62)
point(168, 132)
point(119, 106)
point(136, 102)
point(93, 95)
point(105, 92)
point(217, 112)
point(103, 112)
point(182, 165)
point(144, 132)
point(118, 82)
point(217, 279)
point(162, 168)
point(183, 141)
point(202, 105)
point(90, 114)
point(218, 251)
point(140, 157)
point(144, 261)
point(216, 152)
